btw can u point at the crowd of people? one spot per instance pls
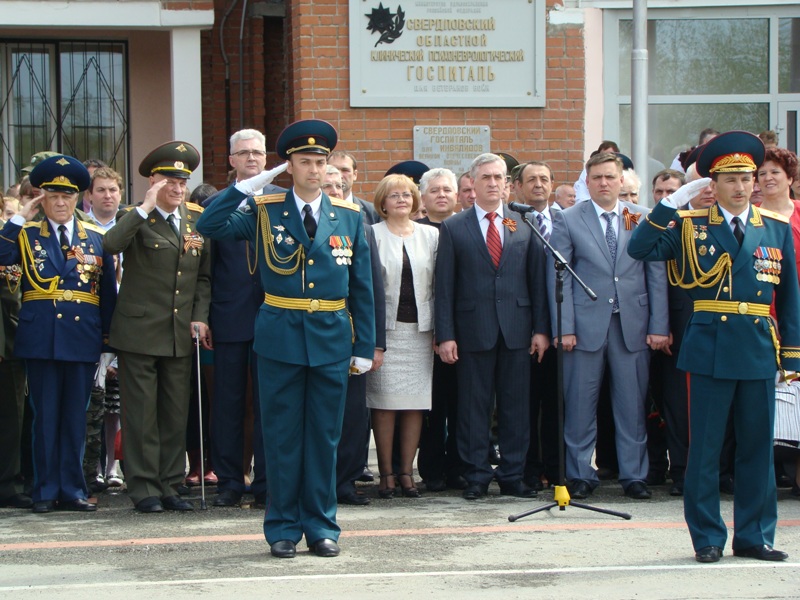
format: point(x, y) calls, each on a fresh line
point(427, 316)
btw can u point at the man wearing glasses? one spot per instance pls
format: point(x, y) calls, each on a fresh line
point(236, 296)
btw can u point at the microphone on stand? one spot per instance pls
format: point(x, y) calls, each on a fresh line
point(520, 208)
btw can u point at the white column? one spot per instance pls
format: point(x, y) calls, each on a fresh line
point(187, 104)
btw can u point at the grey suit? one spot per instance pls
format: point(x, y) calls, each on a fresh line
point(368, 211)
point(491, 313)
point(615, 340)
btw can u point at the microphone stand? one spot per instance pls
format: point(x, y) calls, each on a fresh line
point(561, 497)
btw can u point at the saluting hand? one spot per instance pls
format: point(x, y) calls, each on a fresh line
point(28, 210)
point(152, 195)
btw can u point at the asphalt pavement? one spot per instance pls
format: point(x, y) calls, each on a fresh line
point(436, 546)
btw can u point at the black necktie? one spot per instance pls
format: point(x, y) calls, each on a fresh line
point(738, 232)
point(62, 239)
point(171, 221)
point(308, 222)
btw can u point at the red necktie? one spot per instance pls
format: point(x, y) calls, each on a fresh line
point(493, 240)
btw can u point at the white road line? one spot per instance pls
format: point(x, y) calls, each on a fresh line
point(116, 584)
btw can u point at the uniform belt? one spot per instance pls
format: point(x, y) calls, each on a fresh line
point(309, 304)
point(730, 307)
point(61, 296)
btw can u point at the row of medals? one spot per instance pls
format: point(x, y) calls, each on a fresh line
point(768, 270)
point(342, 256)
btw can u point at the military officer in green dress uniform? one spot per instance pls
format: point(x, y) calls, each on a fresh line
point(731, 258)
point(163, 299)
point(317, 324)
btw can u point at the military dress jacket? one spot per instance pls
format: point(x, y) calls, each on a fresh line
point(729, 336)
point(335, 267)
point(166, 285)
point(67, 303)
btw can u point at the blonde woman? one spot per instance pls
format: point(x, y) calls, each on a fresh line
point(401, 390)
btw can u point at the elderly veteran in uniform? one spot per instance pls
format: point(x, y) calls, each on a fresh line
point(317, 324)
point(68, 296)
point(163, 303)
point(731, 258)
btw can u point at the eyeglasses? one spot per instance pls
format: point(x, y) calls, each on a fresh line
point(327, 186)
point(249, 153)
point(624, 195)
point(397, 195)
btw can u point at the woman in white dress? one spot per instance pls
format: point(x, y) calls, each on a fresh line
point(401, 390)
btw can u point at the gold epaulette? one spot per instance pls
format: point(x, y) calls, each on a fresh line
point(346, 204)
point(699, 212)
point(129, 208)
point(32, 224)
point(771, 214)
point(269, 199)
point(194, 207)
point(94, 227)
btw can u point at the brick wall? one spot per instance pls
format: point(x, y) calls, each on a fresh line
point(305, 74)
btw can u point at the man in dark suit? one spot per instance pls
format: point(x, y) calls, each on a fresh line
point(734, 260)
point(317, 325)
point(236, 296)
point(163, 301)
point(68, 296)
point(346, 163)
point(616, 332)
point(491, 313)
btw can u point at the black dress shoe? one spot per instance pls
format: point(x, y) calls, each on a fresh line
point(708, 554)
point(176, 503)
point(676, 489)
point(517, 488)
point(260, 501)
point(762, 552)
point(656, 478)
point(435, 485)
point(456, 482)
point(45, 506)
point(367, 476)
point(579, 489)
point(324, 548)
point(534, 482)
point(638, 491)
point(151, 504)
point(475, 491)
point(353, 499)
point(283, 549)
point(606, 474)
point(77, 505)
point(227, 498)
point(16, 501)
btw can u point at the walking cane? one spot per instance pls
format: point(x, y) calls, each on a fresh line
point(200, 413)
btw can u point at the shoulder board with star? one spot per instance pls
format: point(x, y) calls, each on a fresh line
point(346, 204)
point(269, 199)
point(93, 227)
point(771, 214)
point(700, 212)
point(194, 207)
point(29, 224)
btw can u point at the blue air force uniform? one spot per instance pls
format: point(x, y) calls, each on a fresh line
point(318, 312)
point(731, 346)
point(67, 303)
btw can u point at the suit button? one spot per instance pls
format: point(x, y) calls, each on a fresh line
point(77, 318)
point(611, 301)
point(175, 310)
point(616, 278)
point(311, 285)
point(758, 293)
point(61, 282)
point(177, 292)
point(725, 289)
point(756, 321)
point(58, 316)
point(179, 273)
point(155, 245)
point(498, 300)
point(723, 318)
point(310, 261)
